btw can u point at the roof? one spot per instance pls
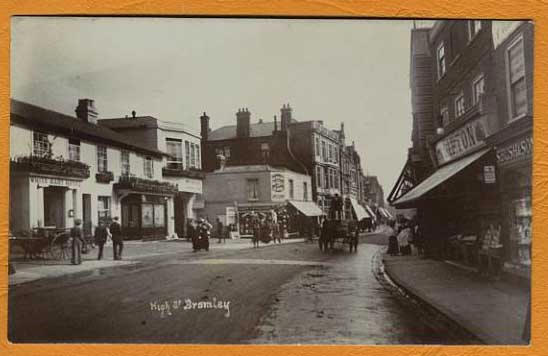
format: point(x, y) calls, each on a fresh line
point(308, 208)
point(148, 122)
point(259, 129)
point(437, 178)
point(39, 118)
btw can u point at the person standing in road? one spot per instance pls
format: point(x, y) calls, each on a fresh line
point(100, 237)
point(77, 239)
point(220, 234)
point(393, 248)
point(117, 239)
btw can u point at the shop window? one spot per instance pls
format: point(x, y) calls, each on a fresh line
point(516, 79)
point(148, 168)
point(459, 105)
point(478, 88)
point(174, 148)
point(521, 230)
point(291, 189)
point(102, 161)
point(40, 144)
point(253, 189)
point(147, 215)
point(441, 60)
point(103, 208)
point(305, 191)
point(159, 215)
point(74, 149)
point(124, 163)
point(474, 27)
point(226, 152)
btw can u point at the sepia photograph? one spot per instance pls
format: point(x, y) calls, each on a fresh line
point(270, 180)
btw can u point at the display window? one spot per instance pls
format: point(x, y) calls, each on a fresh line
point(520, 231)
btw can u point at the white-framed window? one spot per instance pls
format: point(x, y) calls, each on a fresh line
point(187, 154)
point(474, 26)
point(192, 155)
point(327, 178)
point(198, 160)
point(336, 158)
point(318, 149)
point(319, 177)
point(444, 115)
point(305, 191)
point(265, 151)
point(102, 159)
point(253, 189)
point(291, 189)
point(74, 149)
point(459, 105)
point(148, 167)
point(478, 88)
point(517, 90)
point(40, 144)
point(337, 185)
point(103, 208)
point(324, 152)
point(174, 147)
point(440, 55)
point(124, 163)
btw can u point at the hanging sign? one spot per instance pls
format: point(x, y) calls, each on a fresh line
point(489, 176)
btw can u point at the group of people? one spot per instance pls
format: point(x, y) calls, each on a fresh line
point(266, 229)
point(402, 236)
point(199, 232)
point(102, 233)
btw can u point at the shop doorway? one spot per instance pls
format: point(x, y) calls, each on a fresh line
point(180, 215)
point(54, 206)
point(86, 213)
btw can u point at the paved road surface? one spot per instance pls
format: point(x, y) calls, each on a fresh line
point(276, 294)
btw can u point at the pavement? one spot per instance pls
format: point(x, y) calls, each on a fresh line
point(133, 253)
point(494, 311)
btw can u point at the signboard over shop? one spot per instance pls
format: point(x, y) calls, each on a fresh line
point(189, 185)
point(278, 187)
point(54, 181)
point(462, 141)
point(516, 151)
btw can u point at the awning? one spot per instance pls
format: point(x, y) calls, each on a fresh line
point(386, 213)
point(438, 177)
point(308, 208)
point(371, 213)
point(361, 213)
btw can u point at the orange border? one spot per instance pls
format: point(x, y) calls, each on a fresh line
point(508, 9)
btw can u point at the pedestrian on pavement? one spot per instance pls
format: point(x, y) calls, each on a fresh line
point(100, 237)
point(117, 238)
point(393, 248)
point(77, 240)
point(204, 233)
point(403, 239)
point(220, 234)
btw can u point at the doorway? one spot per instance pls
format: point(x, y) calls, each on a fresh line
point(86, 214)
point(54, 206)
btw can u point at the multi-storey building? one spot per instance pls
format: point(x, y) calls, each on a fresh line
point(65, 167)
point(481, 104)
point(183, 165)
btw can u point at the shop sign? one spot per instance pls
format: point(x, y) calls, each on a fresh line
point(278, 187)
point(462, 140)
point(502, 29)
point(189, 185)
point(517, 150)
point(230, 215)
point(489, 175)
point(59, 182)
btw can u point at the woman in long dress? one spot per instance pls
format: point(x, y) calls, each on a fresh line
point(393, 248)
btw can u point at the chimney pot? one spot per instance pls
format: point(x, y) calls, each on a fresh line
point(86, 111)
point(133, 113)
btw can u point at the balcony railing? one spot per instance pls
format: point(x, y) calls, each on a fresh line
point(144, 185)
point(175, 170)
point(52, 166)
point(104, 177)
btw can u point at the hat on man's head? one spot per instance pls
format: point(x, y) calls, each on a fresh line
point(77, 221)
point(116, 218)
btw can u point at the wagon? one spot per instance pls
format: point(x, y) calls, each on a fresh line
point(337, 233)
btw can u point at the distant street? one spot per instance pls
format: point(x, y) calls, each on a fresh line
point(290, 293)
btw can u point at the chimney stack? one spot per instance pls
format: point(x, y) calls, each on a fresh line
point(133, 114)
point(243, 119)
point(204, 127)
point(275, 124)
point(86, 111)
point(286, 117)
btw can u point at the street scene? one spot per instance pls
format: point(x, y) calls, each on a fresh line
point(270, 181)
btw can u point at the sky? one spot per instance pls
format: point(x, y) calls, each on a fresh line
point(351, 71)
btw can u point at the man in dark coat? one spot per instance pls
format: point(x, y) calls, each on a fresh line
point(77, 239)
point(100, 237)
point(117, 239)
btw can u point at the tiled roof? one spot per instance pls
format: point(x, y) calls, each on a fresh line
point(51, 121)
point(255, 130)
point(133, 122)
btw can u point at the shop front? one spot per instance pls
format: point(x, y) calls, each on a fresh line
point(514, 152)
point(147, 208)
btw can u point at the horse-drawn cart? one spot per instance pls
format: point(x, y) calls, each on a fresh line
point(337, 233)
